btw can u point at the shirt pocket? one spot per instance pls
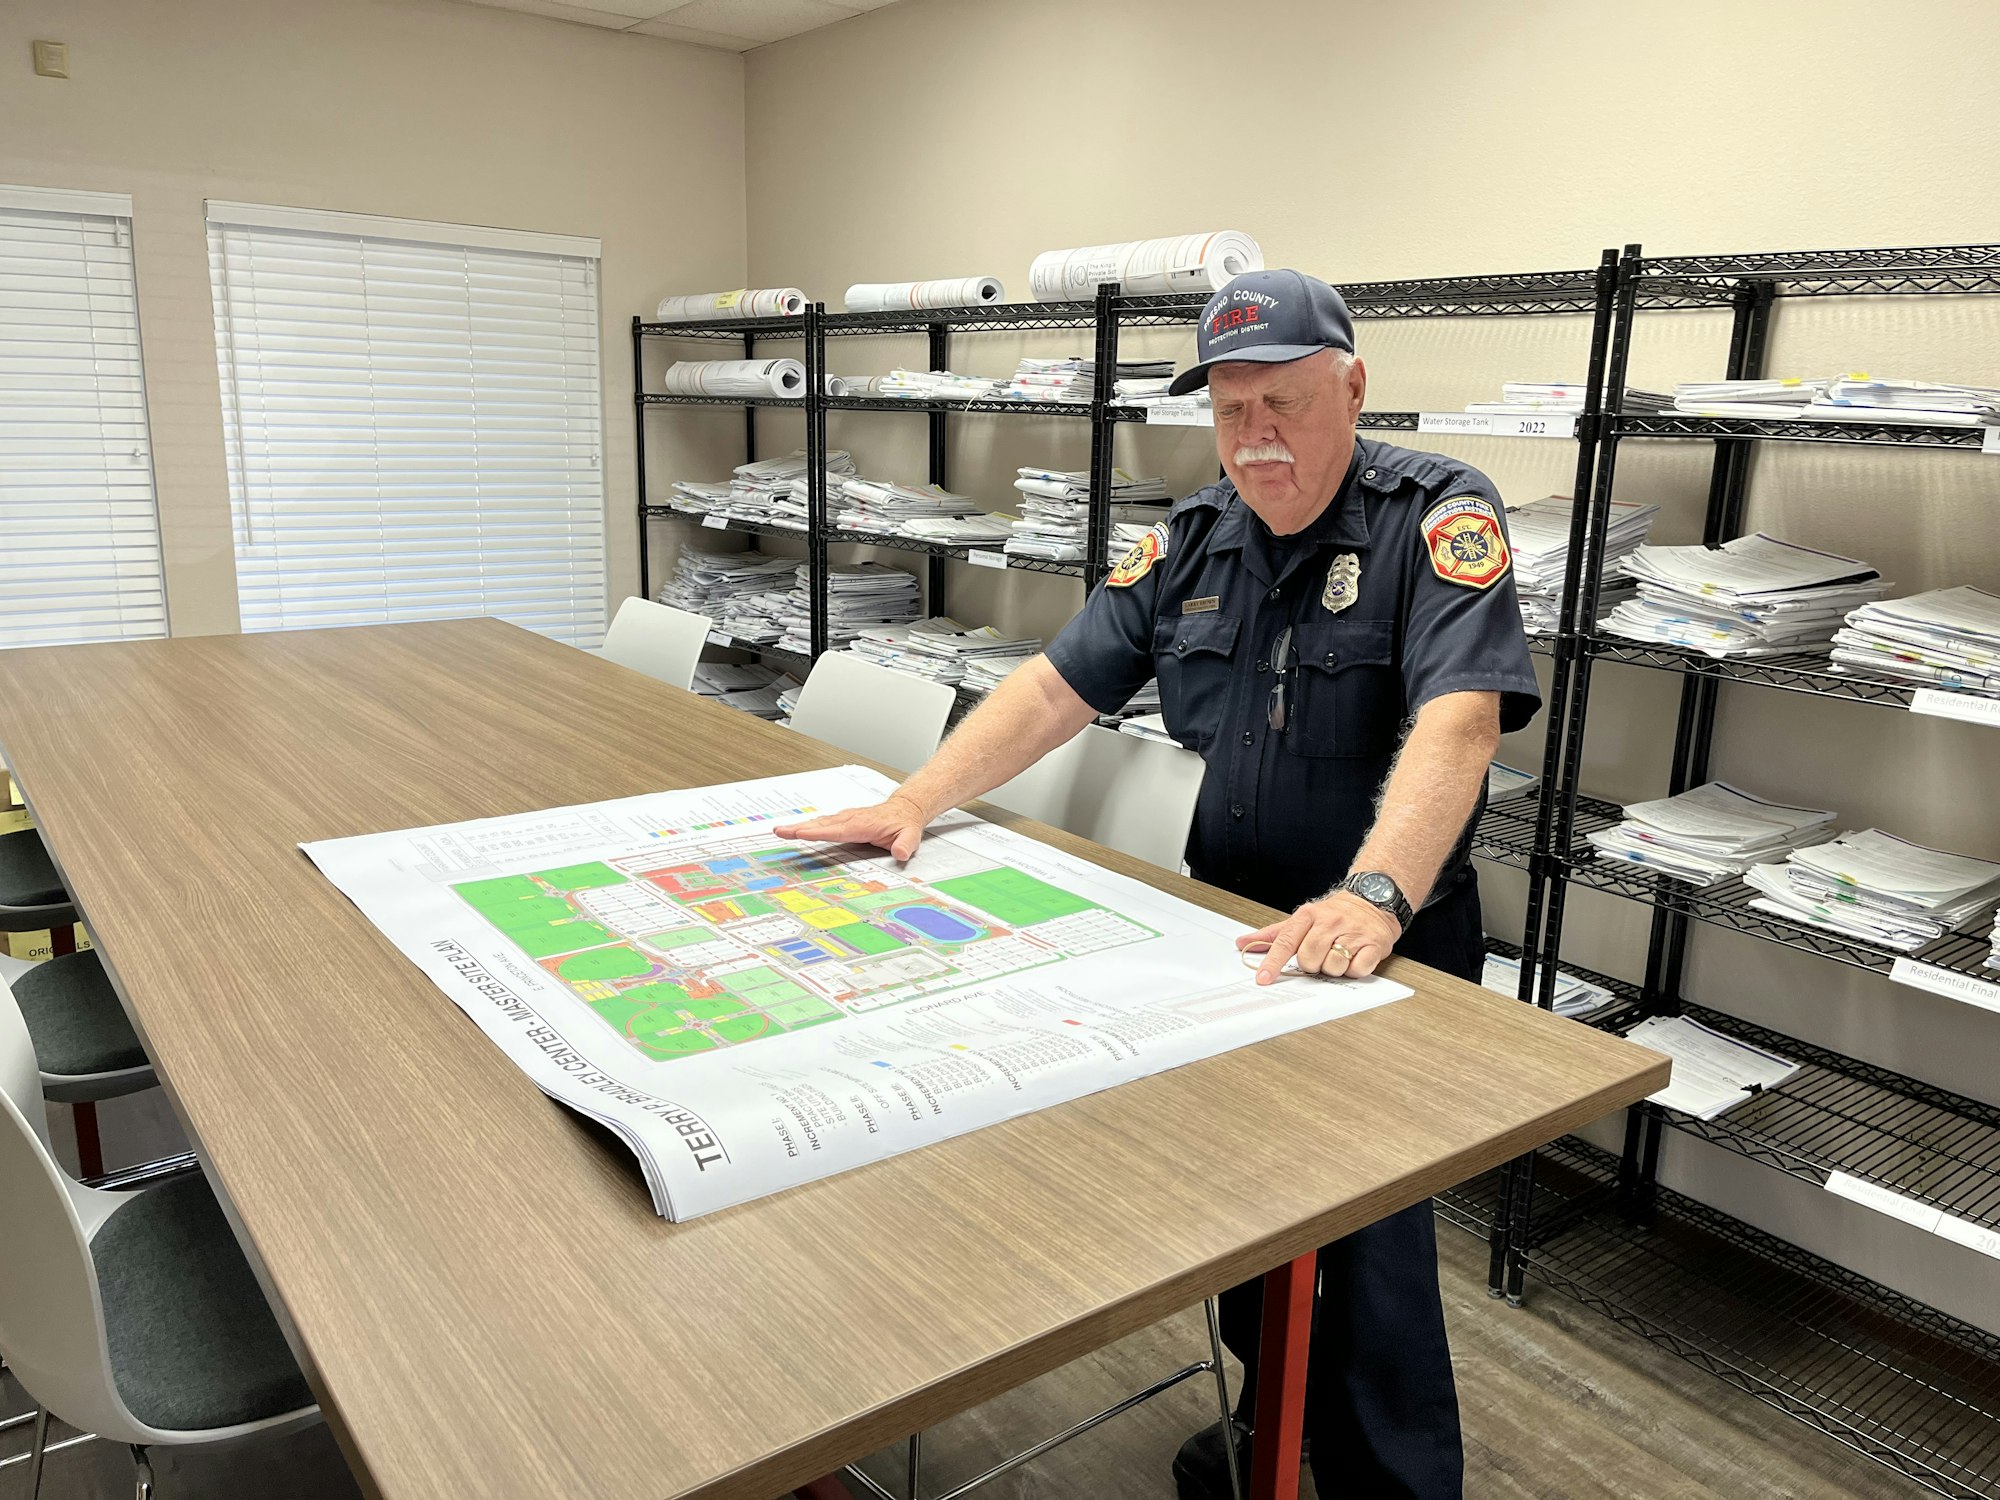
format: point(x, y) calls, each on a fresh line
point(1193, 659)
point(1347, 691)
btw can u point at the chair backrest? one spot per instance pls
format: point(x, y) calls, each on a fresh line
point(51, 1318)
point(20, 1072)
point(657, 639)
point(878, 712)
point(1130, 794)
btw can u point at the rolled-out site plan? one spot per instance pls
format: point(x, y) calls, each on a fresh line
point(749, 1013)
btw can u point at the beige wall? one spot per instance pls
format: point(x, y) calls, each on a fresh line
point(944, 137)
point(418, 108)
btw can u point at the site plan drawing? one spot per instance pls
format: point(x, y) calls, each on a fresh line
point(750, 1013)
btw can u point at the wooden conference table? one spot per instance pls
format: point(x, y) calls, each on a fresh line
point(478, 1287)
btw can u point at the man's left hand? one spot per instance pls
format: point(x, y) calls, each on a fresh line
point(1337, 934)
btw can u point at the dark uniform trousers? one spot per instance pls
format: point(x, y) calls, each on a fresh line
point(1383, 1414)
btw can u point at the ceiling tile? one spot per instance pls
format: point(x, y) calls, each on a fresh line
point(557, 10)
point(760, 20)
point(665, 27)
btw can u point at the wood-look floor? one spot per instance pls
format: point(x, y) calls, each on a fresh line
point(1558, 1405)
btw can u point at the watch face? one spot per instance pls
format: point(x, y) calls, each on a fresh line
point(1375, 888)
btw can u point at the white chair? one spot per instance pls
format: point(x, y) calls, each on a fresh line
point(131, 1315)
point(657, 639)
point(1136, 796)
point(888, 716)
point(1130, 794)
point(32, 895)
point(85, 1045)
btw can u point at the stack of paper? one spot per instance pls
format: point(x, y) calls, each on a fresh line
point(1055, 509)
point(940, 648)
point(858, 595)
point(988, 529)
point(757, 489)
point(1879, 888)
point(985, 673)
point(1711, 833)
point(713, 583)
point(1755, 596)
point(1506, 784)
point(1539, 532)
point(1146, 700)
point(697, 498)
point(1074, 380)
point(884, 505)
point(766, 701)
point(758, 618)
point(1527, 398)
point(794, 506)
point(1947, 638)
point(1145, 393)
point(1574, 997)
point(931, 385)
point(1134, 392)
point(1771, 399)
point(1860, 398)
point(1712, 1072)
point(715, 679)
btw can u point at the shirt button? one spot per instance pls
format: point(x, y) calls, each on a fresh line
point(1236, 811)
point(1272, 595)
point(1332, 659)
point(1367, 473)
point(1180, 648)
point(1263, 666)
point(1248, 737)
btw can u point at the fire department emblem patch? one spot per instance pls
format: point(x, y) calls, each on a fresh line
point(1137, 563)
point(1466, 543)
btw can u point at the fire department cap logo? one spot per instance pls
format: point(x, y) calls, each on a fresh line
point(1137, 563)
point(1466, 543)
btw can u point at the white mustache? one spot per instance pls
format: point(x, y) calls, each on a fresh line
point(1265, 453)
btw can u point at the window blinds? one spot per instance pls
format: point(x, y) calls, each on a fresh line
point(79, 530)
point(413, 422)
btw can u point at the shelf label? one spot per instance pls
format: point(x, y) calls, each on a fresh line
point(1883, 1201)
point(1499, 424)
point(1972, 1236)
point(1931, 1220)
point(1984, 993)
point(718, 523)
point(1991, 442)
point(1179, 411)
point(980, 559)
point(721, 638)
point(1970, 707)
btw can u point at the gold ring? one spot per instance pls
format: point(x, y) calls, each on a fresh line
point(1342, 951)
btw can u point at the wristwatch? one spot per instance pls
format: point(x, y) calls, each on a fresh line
point(1381, 892)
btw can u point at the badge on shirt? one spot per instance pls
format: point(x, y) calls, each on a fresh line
point(1137, 563)
point(1465, 542)
point(1343, 582)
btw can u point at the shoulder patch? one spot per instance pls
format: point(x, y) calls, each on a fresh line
point(1466, 543)
point(1137, 563)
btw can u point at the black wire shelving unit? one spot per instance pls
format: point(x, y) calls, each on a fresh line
point(1887, 1376)
point(1869, 1366)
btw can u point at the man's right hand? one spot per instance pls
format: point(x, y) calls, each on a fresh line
point(896, 825)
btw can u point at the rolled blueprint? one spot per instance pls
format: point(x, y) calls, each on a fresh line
point(706, 307)
point(955, 291)
point(1187, 263)
point(736, 377)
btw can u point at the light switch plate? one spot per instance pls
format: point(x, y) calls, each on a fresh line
point(52, 59)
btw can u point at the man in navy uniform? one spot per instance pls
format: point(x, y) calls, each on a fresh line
point(1335, 631)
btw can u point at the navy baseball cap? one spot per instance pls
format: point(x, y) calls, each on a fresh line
point(1268, 318)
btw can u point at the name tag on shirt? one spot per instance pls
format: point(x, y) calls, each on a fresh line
point(1201, 606)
